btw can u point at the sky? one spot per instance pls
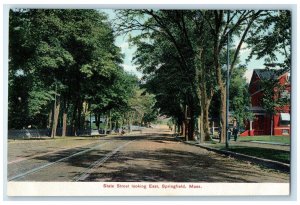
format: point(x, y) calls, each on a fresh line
point(121, 41)
point(128, 51)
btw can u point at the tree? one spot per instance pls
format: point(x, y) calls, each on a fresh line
point(31, 57)
point(223, 23)
point(165, 79)
point(190, 33)
point(172, 28)
point(239, 96)
point(272, 39)
point(58, 53)
point(115, 98)
point(141, 106)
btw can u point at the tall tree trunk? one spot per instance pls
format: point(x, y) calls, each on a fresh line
point(205, 102)
point(79, 115)
point(110, 123)
point(182, 131)
point(186, 129)
point(106, 125)
point(73, 121)
point(202, 102)
point(185, 124)
point(55, 118)
point(65, 111)
point(141, 120)
point(216, 57)
point(50, 118)
point(64, 128)
point(223, 95)
point(223, 115)
point(191, 125)
point(200, 127)
point(206, 122)
point(175, 126)
point(97, 120)
point(205, 107)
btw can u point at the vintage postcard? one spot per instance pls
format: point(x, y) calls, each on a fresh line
point(149, 102)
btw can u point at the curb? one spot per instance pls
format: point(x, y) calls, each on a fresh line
point(261, 161)
point(261, 142)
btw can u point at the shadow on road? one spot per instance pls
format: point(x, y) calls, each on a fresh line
point(161, 165)
point(168, 165)
point(172, 166)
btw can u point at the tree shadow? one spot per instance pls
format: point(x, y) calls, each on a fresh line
point(167, 165)
point(160, 165)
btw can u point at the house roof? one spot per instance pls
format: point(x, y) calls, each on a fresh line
point(266, 74)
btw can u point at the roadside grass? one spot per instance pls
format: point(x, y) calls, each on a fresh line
point(266, 138)
point(266, 153)
point(272, 154)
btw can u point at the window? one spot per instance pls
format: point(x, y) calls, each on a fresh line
point(285, 119)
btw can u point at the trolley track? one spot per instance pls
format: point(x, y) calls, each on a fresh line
point(62, 159)
point(87, 159)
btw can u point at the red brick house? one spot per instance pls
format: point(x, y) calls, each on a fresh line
point(261, 124)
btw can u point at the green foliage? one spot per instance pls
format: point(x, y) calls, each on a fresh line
point(271, 100)
point(70, 55)
point(239, 96)
point(142, 104)
point(65, 53)
point(271, 38)
point(165, 58)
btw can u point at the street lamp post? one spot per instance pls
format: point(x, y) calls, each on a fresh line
point(227, 92)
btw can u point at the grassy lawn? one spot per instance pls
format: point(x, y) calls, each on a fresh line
point(266, 153)
point(272, 154)
point(267, 138)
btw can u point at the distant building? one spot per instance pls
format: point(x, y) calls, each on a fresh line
point(261, 124)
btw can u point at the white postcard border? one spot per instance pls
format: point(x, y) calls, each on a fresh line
point(145, 189)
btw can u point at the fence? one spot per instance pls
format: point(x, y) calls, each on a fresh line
point(38, 133)
point(28, 133)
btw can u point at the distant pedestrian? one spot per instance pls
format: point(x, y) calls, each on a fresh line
point(235, 132)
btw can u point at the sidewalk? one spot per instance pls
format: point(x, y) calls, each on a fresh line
point(260, 144)
point(269, 155)
point(257, 144)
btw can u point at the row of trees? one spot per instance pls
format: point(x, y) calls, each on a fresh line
point(64, 66)
point(182, 54)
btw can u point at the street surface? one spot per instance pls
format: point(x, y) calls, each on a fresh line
point(152, 156)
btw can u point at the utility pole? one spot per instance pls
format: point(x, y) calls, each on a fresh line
point(186, 123)
point(227, 92)
point(91, 122)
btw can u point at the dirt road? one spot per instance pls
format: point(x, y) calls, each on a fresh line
point(153, 156)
